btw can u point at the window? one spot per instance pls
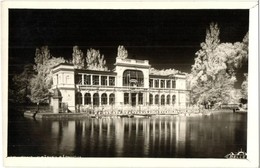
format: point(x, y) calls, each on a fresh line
point(87, 98)
point(78, 79)
point(173, 84)
point(168, 99)
point(103, 80)
point(104, 98)
point(173, 99)
point(157, 83)
point(87, 80)
point(133, 78)
point(111, 81)
point(112, 98)
point(140, 98)
point(151, 99)
point(156, 99)
point(162, 100)
point(78, 97)
point(96, 99)
point(168, 84)
point(95, 80)
point(151, 83)
point(162, 83)
point(126, 98)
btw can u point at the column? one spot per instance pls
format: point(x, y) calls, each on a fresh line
point(82, 80)
point(91, 79)
point(99, 97)
point(99, 80)
point(137, 98)
point(129, 98)
point(83, 98)
point(107, 80)
point(91, 98)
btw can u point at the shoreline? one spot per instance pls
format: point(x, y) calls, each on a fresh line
point(49, 115)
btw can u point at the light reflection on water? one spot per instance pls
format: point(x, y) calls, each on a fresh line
point(173, 136)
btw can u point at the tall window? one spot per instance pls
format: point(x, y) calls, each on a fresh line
point(156, 99)
point(78, 79)
point(126, 98)
point(173, 84)
point(112, 98)
point(168, 83)
point(168, 99)
point(111, 81)
point(156, 83)
point(87, 80)
point(173, 99)
point(140, 98)
point(78, 97)
point(162, 83)
point(104, 98)
point(95, 80)
point(96, 99)
point(133, 78)
point(162, 100)
point(103, 80)
point(151, 83)
point(150, 99)
point(87, 98)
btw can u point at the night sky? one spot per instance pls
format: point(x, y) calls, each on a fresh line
point(167, 38)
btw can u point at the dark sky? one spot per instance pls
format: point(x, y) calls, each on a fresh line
point(167, 38)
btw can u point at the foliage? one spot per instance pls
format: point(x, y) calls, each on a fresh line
point(213, 74)
point(42, 81)
point(95, 61)
point(244, 87)
point(122, 52)
point(78, 58)
point(20, 85)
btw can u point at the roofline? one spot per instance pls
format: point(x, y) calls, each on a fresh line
point(62, 64)
point(94, 71)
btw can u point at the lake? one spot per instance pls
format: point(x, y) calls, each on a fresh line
point(211, 136)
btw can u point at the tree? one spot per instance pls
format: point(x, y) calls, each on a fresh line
point(213, 74)
point(95, 61)
point(122, 52)
point(244, 87)
point(41, 82)
point(20, 85)
point(78, 58)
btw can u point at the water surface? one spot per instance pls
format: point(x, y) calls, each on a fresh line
point(165, 137)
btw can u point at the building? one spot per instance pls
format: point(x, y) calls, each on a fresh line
point(130, 84)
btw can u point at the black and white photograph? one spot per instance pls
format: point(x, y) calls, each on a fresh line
point(128, 83)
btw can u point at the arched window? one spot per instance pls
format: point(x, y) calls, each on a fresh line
point(140, 98)
point(126, 98)
point(156, 99)
point(96, 99)
point(173, 99)
point(87, 98)
point(151, 99)
point(104, 98)
point(133, 78)
point(168, 99)
point(112, 98)
point(162, 100)
point(78, 97)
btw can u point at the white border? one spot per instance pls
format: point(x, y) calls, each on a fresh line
point(253, 115)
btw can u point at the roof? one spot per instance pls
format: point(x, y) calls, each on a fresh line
point(95, 72)
point(62, 64)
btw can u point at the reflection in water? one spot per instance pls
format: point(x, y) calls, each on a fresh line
point(191, 137)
